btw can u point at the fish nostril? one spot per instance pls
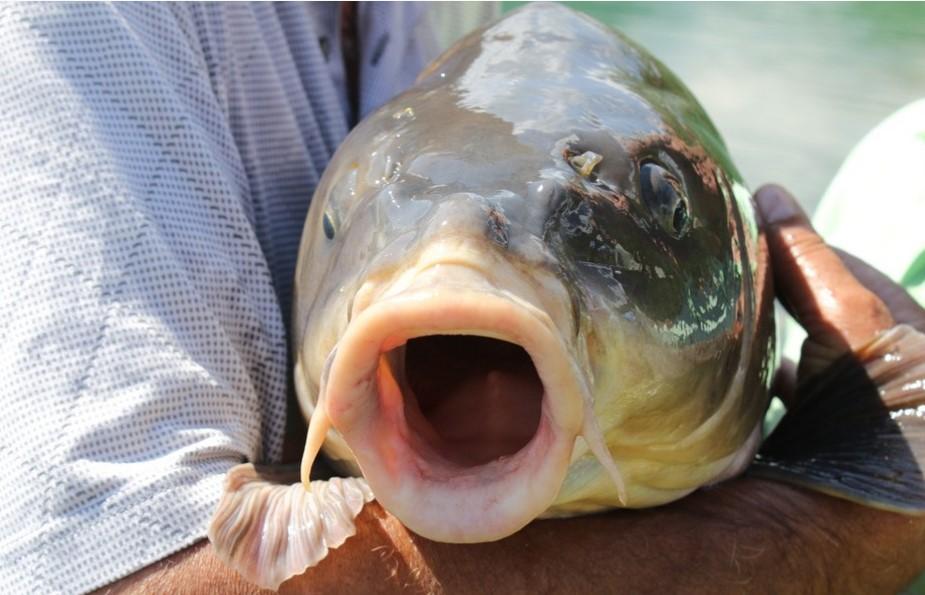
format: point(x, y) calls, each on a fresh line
point(498, 228)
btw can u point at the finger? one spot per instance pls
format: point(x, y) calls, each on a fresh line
point(903, 307)
point(836, 310)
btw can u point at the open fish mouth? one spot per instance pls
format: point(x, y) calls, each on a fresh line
point(469, 400)
point(461, 405)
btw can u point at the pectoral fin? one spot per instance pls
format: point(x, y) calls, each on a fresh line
point(858, 430)
point(269, 529)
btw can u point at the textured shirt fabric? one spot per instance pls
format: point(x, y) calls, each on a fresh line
point(156, 165)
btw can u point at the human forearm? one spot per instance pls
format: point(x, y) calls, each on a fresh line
point(747, 535)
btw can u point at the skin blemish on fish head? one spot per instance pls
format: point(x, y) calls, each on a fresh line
point(644, 230)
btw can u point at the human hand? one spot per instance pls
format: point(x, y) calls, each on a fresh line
point(841, 301)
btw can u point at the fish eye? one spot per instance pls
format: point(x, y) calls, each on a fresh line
point(327, 223)
point(664, 195)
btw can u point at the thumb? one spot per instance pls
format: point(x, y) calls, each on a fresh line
point(813, 283)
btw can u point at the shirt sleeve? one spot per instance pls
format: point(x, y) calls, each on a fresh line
point(142, 348)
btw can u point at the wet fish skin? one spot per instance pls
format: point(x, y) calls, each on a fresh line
point(548, 183)
point(482, 148)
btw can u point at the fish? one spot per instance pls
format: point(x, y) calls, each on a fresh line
point(533, 286)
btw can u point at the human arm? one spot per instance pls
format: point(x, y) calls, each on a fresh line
point(745, 535)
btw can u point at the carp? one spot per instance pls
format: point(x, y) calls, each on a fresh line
point(531, 286)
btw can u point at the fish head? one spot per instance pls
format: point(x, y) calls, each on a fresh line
point(543, 240)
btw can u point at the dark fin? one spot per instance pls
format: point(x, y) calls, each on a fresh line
point(269, 530)
point(858, 429)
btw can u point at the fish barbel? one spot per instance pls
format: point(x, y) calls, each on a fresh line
point(532, 285)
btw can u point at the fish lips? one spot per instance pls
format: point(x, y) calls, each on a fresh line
point(431, 495)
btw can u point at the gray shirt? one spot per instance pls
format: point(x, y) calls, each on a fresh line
point(156, 165)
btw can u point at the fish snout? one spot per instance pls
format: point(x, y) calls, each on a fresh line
point(466, 214)
point(457, 391)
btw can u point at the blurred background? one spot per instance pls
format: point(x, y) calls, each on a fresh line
point(791, 86)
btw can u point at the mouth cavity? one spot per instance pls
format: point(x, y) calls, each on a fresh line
point(461, 408)
point(468, 399)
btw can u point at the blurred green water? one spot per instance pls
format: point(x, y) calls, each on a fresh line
point(792, 86)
